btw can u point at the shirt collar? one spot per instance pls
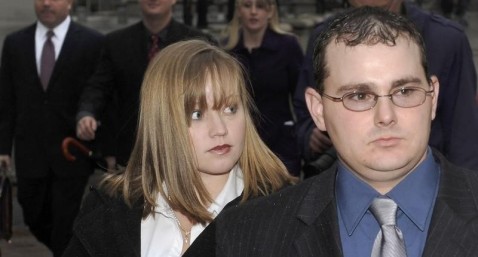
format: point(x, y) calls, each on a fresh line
point(232, 189)
point(353, 197)
point(59, 31)
point(163, 205)
point(414, 195)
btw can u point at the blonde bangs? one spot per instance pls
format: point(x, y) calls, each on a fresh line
point(227, 81)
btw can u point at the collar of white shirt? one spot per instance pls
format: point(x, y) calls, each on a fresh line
point(58, 39)
point(160, 235)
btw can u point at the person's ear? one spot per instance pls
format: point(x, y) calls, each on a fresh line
point(436, 89)
point(316, 108)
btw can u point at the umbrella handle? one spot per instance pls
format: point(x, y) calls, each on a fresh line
point(67, 142)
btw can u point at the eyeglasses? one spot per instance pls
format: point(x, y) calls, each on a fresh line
point(405, 97)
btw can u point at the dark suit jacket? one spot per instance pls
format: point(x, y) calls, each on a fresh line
point(122, 66)
point(106, 226)
point(37, 121)
point(302, 220)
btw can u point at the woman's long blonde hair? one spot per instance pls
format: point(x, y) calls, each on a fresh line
point(163, 158)
point(233, 30)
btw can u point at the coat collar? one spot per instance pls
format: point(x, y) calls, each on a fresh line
point(175, 32)
point(28, 36)
point(270, 42)
point(318, 211)
point(72, 40)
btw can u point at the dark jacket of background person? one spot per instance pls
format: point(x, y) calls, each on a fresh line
point(302, 221)
point(122, 65)
point(50, 188)
point(449, 55)
point(35, 120)
point(273, 69)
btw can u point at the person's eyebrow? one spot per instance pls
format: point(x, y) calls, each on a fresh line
point(405, 81)
point(364, 86)
point(355, 87)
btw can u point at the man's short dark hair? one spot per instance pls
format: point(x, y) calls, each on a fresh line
point(364, 26)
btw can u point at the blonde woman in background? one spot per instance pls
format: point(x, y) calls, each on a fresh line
point(196, 150)
point(272, 58)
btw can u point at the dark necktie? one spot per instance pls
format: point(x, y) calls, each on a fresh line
point(154, 49)
point(47, 60)
point(389, 241)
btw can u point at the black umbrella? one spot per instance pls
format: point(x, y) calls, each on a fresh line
point(70, 142)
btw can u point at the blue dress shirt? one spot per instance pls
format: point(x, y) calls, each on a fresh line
point(415, 196)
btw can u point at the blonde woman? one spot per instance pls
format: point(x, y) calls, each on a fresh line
point(196, 150)
point(272, 58)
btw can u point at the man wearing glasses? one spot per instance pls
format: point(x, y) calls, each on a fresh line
point(450, 58)
point(389, 193)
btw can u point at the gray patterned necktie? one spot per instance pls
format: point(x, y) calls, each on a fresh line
point(389, 241)
point(47, 60)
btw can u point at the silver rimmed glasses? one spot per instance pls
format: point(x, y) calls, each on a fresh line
point(359, 101)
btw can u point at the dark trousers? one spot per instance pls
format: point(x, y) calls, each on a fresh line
point(50, 206)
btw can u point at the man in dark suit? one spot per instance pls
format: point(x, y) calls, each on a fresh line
point(120, 73)
point(376, 101)
point(43, 70)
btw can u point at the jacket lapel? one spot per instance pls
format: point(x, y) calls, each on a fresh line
point(444, 233)
point(454, 227)
point(30, 56)
point(66, 52)
point(138, 44)
point(318, 212)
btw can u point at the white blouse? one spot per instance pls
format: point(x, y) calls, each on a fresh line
point(161, 235)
